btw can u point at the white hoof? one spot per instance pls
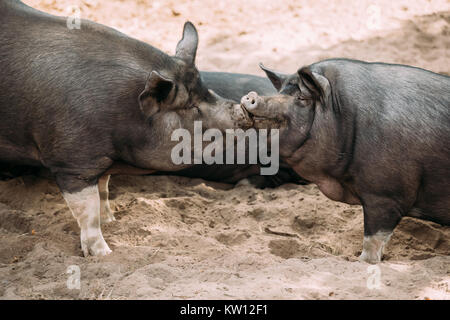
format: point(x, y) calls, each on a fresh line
point(108, 217)
point(373, 247)
point(95, 246)
point(369, 257)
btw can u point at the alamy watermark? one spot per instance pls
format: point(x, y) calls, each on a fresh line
point(74, 279)
point(191, 151)
point(73, 17)
point(374, 279)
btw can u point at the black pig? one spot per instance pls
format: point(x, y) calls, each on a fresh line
point(88, 102)
point(373, 134)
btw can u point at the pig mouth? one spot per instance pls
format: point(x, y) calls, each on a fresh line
point(248, 116)
point(264, 121)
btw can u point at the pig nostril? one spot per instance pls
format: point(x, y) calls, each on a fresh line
point(253, 101)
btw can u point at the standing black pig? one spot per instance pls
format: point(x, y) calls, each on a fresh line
point(373, 134)
point(80, 101)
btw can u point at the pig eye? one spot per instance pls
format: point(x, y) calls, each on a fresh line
point(196, 109)
point(300, 97)
point(303, 101)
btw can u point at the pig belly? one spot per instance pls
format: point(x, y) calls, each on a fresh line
point(19, 155)
point(437, 210)
point(334, 190)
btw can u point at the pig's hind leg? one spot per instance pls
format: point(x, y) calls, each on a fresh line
point(106, 214)
point(83, 199)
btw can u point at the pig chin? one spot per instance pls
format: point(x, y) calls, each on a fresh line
point(233, 118)
point(265, 122)
point(242, 119)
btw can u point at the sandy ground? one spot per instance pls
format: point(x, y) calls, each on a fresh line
point(187, 238)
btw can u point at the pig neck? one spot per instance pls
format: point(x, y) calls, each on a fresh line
point(326, 156)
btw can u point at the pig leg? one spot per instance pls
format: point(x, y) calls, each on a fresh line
point(373, 246)
point(106, 213)
point(380, 218)
point(83, 199)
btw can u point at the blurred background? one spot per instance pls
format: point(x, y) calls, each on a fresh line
point(236, 35)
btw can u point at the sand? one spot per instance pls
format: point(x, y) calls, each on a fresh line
point(180, 238)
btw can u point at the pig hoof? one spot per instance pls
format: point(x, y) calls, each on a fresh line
point(243, 183)
point(250, 101)
point(372, 259)
point(95, 247)
point(109, 217)
point(101, 252)
point(107, 214)
point(373, 246)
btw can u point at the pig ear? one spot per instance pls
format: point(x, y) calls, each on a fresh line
point(187, 47)
point(317, 84)
point(276, 78)
point(157, 89)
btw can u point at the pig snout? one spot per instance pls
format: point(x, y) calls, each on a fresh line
point(250, 101)
point(256, 106)
point(229, 115)
point(266, 112)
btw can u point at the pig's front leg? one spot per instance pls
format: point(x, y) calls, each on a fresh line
point(381, 216)
point(83, 199)
point(106, 214)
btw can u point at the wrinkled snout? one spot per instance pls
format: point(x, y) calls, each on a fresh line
point(238, 113)
point(266, 112)
point(251, 101)
point(259, 106)
point(226, 114)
